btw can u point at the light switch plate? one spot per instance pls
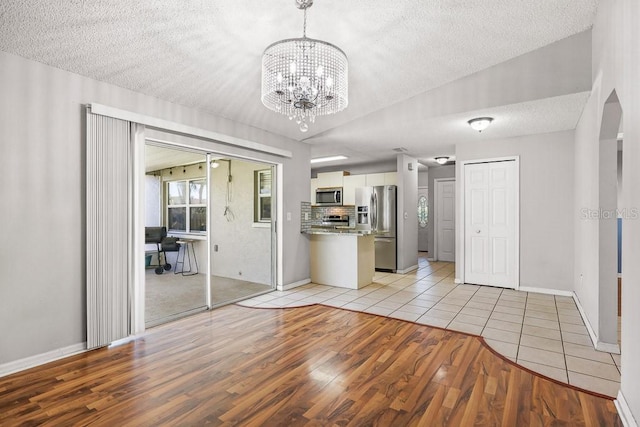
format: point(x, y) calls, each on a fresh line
point(288, 216)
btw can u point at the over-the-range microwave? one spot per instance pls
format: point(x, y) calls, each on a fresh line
point(331, 196)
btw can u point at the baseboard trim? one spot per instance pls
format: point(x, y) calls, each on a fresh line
point(597, 344)
point(40, 359)
point(608, 347)
point(624, 411)
point(295, 284)
point(431, 259)
point(585, 320)
point(457, 281)
point(547, 291)
point(406, 270)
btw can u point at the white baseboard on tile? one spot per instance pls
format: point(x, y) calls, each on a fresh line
point(547, 291)
point(295, 284)
point(585, 320)
point(624, 411)
point(457, 281)
point(597, 344)
point(608, 347)
point(40, 359)
point(406, 270)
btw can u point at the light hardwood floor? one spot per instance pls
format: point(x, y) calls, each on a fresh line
point(312, 366)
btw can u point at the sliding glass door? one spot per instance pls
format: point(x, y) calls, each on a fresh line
point(242, 217)
point(176, 235)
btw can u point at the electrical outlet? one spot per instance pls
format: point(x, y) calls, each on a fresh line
point(288, 216)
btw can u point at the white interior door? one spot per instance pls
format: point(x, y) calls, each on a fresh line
point(445, 222)
point(490, 215)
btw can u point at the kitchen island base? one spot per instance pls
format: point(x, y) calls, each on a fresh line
point(342, 259)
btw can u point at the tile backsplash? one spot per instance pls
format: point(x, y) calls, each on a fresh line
point(314, 214)
point(306, 218)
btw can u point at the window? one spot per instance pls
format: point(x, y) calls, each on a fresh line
point(187, 206)
point(262, 203)
point(423, 211)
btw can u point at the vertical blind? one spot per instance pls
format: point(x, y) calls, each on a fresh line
point(108, 199)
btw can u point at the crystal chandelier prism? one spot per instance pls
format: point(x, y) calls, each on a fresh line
point(303, 78)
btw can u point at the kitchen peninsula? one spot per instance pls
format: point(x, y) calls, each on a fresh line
point(341, 256)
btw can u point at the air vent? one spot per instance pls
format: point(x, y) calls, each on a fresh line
point(400, 150)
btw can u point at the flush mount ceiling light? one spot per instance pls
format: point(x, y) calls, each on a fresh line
point(328, 159)
point(480, 123)
point(303, 78)
point(441, 160)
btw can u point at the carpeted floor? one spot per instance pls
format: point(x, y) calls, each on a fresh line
point(170, 294)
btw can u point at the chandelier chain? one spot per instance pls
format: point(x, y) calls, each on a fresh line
point(304, 28)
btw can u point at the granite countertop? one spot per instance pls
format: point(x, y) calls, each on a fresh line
point(337, 230)
point(333, 230)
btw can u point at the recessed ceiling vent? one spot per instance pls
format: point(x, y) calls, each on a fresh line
point(400, 150)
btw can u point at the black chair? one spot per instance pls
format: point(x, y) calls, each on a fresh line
point(164, 244)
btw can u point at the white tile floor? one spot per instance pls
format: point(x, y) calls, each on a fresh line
point(544, 333)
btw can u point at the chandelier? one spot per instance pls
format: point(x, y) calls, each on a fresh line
point(303, 78)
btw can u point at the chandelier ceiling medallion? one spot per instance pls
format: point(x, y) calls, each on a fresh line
point(303, 78)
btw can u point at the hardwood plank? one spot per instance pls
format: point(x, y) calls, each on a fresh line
point(308, 366)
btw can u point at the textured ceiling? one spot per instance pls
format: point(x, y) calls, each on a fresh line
point(206, 54)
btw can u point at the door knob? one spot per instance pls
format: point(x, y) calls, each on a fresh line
point(478, 231)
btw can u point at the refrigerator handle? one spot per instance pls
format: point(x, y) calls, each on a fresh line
point(373, 214)
point(374, 210)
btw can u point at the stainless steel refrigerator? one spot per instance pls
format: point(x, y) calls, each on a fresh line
point(376, 211)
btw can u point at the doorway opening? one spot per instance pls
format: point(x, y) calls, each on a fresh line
point(219, 212)
point(610, 224)
point(175, 215)
point(242, 232)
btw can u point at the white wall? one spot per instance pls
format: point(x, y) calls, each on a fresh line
point(435, 172)
point(546, 204)
point(616, 66)
point(423, 178)
point(407, 207)
point(42, 296)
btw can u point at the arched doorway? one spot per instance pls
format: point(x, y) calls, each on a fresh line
point(609, 178)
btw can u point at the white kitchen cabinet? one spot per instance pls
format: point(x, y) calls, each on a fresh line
point(387, 178)
point(342, 260)
point(349, 185)
point(374, 179)
point(391, 178)
point(314, 185)
point(330, 179)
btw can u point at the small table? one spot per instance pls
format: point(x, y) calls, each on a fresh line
point(185, 244)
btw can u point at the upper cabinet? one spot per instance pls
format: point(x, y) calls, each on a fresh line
point(331, 179)
point(374, 179)
point(388, 178)
point(350, 183)
point(391, 178)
